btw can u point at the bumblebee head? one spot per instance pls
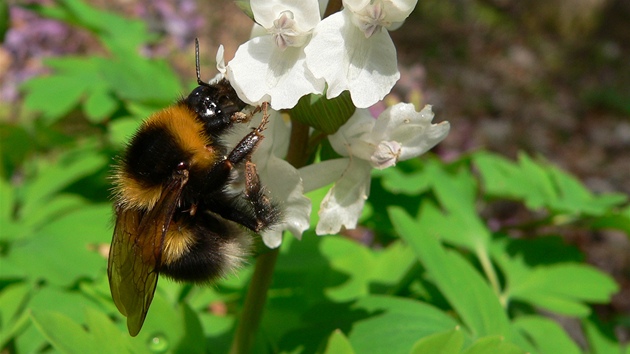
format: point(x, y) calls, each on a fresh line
point(213, 103)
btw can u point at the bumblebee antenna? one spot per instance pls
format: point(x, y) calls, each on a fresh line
point(199, 82)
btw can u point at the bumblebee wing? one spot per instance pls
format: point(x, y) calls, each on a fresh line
point(136, 252)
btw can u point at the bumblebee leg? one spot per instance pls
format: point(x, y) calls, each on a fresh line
point(266, 213)
point(259, 212)
point(243, 150)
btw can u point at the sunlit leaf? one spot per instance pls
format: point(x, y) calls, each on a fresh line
point(338, 344)
point(547, 336)
point(449, 342)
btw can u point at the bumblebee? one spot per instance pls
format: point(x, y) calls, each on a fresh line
point(175, 213)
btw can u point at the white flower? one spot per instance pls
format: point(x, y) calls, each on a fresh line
point(272, 67)
point(221, 68)
point(352, 49)
point(281, 180)
point(398, 134)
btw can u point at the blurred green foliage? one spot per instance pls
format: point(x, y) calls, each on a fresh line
point(440, 279)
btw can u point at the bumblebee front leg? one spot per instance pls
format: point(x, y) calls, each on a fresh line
point(261, 212)
point(244, 149)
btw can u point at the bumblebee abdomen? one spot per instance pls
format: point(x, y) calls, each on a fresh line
point(202, 248)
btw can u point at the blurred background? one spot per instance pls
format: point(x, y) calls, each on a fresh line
point(551, 78)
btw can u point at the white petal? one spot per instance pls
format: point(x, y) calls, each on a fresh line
point(321, 174)
point(350, 140)
point(221, 60)
point(413, 130)
point(398, 10)
point(395, 10)
point(340, 53)
point(261, 72)
point(284, 186)
point(344, 202)
point(305, 12)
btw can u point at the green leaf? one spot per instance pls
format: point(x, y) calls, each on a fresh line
point(121, 130)
point(4, 19)
point(13, 318)
point(13, 299)
point(67, 92)
point(130, 76)
point(63, 333)
point(540, 184)
point(547, 336)
point(52, 178)
point(99, 104)
point(601, 338)
point(493, 344)
point(562, 288)
point(43, 256)
point(338, 344)
point(413, 183)
point(363, 266)
point(17, 143)
point(7, 205)
point(449, 342)
point(322, 113)
point(546, 191)
point(395, 325)
point(107, 337)
point(618, 220)
point(503, 178)
point(192, 331)
point(480, 309)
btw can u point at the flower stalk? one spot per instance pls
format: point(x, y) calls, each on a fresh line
point(256, 297)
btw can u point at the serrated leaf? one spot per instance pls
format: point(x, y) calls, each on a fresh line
point(480, 309)
point(338, 344)
point(547, 336)
point(449, 342)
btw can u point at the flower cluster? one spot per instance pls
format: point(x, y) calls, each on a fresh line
point(294, 53)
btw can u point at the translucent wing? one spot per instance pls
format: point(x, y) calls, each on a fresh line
point(135, 254)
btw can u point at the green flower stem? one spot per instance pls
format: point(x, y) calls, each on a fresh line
point(488, 269)
point(256, 297)
point(254, 303)
point(332, 7)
